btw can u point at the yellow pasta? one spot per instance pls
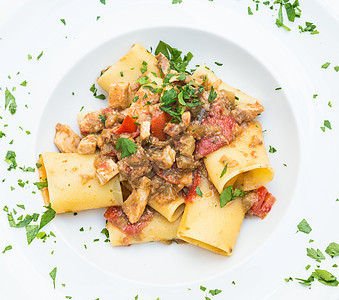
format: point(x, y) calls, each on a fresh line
point(157, 229)
point(207, 225)
point(127, 69)
point(72, 185)
point(170, 208)
point(220, 85)
point(248, 167)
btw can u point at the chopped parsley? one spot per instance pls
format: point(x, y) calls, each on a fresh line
point(327, 124)
point(39, 56)
point(9, 247)
point(212, 95)
point(2, 134)
point(103, 118)
point(41, 185)
point(272, 150)
point(198, 191)
point(176, 1)
point(10, 159)
point(249, 11)
point(332, 249)
point(94, 90)
point(24, 83)
point(315, 96)
point(329, 103)
point(224, 170)
point(29, 57)
point(315, 254)
point(203, 288)
point(229, 194)
point(325, 65)
point(174, 55)
point(121, 74)
point(10, 102)
point(304, 227)
point(103, 2)
point(215, 292)
point(52, 274)
point(310, 27)
point(126, 146)
point(336, 68)
point(218, 64)
point(63, 21)
point(143, 69)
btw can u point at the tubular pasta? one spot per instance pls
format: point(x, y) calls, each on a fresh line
point(72, 185)
point(248, 167)
point(207, 225)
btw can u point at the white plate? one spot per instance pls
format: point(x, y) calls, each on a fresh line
point(254, 60)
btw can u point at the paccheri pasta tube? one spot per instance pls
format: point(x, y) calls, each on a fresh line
point(248, 167)
point(127, 69)
point(150, 228)
point(72, 184)
point(207, 225)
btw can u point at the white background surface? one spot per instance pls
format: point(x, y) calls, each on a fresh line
point(24, 270)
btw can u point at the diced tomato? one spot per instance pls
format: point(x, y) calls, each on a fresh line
point(159, 120)
point(127, 126)
point(116, 216)
point(264, 203)
point(210, 144)
point(192, 191)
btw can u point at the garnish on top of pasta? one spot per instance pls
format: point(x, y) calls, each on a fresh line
point(175, 155)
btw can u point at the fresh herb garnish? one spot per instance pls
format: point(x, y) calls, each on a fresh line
point(224, 170)
point(325, 65)
point(229, 194)
point(39, 56)
point(10, 159)
point(272, 150)
point(127, 147)
point(198, 191)
point(143, 69)
point(10, 100)
point(103, 118)
point(327, 124)
point(174, 55)
point(315, 254)
point(94, 90)
point(54, 271)
point(41, 185)
point(215, 292)
point(212, 95)
point(310, 27)
point(9, 247)
point(304, 227)
point(332, 249)
point(63, 21)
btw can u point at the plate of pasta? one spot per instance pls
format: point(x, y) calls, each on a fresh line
point(165, 153)
point(168, 160)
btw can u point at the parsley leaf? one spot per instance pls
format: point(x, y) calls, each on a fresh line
point(41, 185)
point(332, 249)
point(9, 247)
point(24, 83)
point(10, 100)
point(325, 277)
point(10, 159)
point(311, 28)
point(224, 170)
point(315, 254)
point(143, 69)
point(326, 65)
point(304, 227)
point(54, 271)
point(228, 194)
point(103, 2)
point(63, 21)
point(212, 95)
point(102, 118)
point(249, 10)
point(215, 292)
point(94, 90)
point(198, 191)
point(176, 1)
point(327, 124)
point(127, 147)
point(202, 288)
point(336, 68)
point(272, 150)
point(39, 56)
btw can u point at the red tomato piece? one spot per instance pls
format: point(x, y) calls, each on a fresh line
point(192, 191)
point(210, 144)
point(159, 120)
point(264, 203)
point(127, 126)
